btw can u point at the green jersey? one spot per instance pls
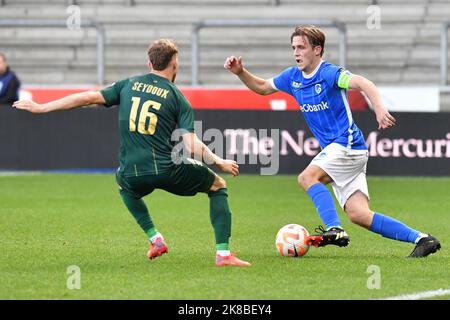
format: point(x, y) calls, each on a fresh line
point(150, 108)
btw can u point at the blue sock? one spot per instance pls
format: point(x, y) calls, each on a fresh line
point(392, 229)
point(323, 201)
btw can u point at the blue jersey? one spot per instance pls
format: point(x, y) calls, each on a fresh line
point(322, 98)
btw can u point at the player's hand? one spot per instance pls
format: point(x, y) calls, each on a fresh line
point(229, 166)
point(385, 119)
point(234, 65)
point(28, 105)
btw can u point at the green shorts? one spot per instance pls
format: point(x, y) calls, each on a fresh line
point(185, 179)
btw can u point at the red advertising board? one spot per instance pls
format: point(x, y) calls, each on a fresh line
point(207, 98)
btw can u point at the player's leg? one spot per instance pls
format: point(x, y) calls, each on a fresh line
point(358, 211)
point(191, 177)
point(220, 215)
point(357, 208)
point(129, 190)
point(313, 180)
point(340, 166)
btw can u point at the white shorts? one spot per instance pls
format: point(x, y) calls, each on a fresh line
point(347, 168)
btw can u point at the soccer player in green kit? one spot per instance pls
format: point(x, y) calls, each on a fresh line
point(150, 109)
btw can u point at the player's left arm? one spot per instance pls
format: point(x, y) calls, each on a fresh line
point(196, 147)
point(69, 102)
point(352, 81)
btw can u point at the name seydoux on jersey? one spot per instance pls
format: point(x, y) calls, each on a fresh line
point(149, 88)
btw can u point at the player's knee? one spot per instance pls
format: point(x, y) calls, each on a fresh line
point(219, 183)
point(304, 180)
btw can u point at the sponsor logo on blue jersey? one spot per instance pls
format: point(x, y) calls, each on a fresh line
point(314, 107)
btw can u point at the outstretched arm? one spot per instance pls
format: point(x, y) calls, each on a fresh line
point(384, 118)
point(69, 102)
point(254, 83)
point(199, 149)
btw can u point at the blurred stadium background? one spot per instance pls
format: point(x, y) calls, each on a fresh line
point(57, 47)
point(405, 50)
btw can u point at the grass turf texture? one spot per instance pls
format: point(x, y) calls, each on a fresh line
point(52, 221)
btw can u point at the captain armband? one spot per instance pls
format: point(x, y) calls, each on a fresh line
point(344, 79)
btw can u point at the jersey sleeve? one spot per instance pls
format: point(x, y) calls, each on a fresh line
point(185, 118)
point(337, 77)
point(282, 82)
point(111, 94)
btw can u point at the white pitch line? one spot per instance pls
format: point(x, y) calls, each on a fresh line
point(19, 173)
point(421, 295)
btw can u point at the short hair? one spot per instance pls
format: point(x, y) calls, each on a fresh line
point(161, 52)
point(2, 55)
point(315, 36)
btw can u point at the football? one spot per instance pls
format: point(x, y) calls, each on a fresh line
point(292, 240)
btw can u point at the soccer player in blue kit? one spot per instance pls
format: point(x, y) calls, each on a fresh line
point(320, 89)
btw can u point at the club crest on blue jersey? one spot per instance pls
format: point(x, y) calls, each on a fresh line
point(318, 88)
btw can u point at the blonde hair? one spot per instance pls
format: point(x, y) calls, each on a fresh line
point(161, 52)
point(315, 36)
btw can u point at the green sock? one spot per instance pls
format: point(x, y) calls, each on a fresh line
point(222, 246)
point(151, 232)
point(220, 215)
point(139, 210)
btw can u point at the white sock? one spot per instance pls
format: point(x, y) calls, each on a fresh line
point(158, 235)
point(420, 236)
point(223, 253)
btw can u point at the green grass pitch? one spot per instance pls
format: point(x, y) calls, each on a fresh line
point(52, 221)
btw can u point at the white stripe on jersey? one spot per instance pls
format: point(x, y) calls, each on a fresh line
point(350, 118)
point(272, 83)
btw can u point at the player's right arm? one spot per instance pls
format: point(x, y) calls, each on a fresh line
point(69, 102)
point(254, 83)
